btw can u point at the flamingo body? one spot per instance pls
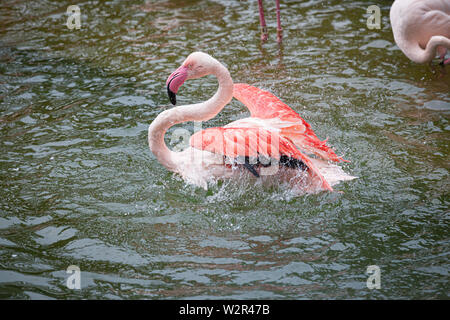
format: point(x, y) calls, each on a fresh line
point(252, 142)
point(421, 28)
point(271, 145)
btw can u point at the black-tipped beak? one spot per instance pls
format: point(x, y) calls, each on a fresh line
point(174, 81)
point(172, 96)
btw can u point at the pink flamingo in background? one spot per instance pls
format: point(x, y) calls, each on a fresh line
point(262, 21)
point(422, 28)
point(273, 131)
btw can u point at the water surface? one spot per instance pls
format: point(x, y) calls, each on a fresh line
point(80, 186)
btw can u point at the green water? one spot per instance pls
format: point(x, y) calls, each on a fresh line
point(80, 186)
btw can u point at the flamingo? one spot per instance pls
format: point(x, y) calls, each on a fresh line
point(274, 134)
point(262, 21)
point(421, 28)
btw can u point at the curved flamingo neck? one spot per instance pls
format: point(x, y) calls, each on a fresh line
point(194, 112)
point(420, 55)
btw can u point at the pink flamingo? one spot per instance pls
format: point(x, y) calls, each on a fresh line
point(274, 131)
point(262, 22)
point(422, 28)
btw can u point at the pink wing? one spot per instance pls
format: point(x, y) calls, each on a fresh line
point(264, 105)
point(250, 142)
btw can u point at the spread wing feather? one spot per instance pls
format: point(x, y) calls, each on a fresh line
point(251, 142)
point(264, 105)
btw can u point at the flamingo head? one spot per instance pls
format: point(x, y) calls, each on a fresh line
point(196, 65)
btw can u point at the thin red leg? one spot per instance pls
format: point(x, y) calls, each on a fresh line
point(279, 29)
point(262, 21)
